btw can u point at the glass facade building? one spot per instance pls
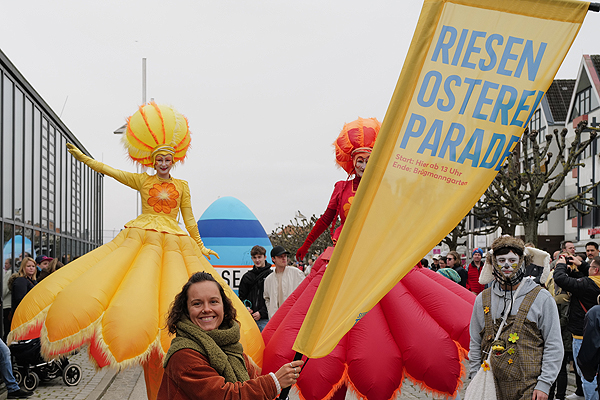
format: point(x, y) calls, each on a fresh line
point(50, 203)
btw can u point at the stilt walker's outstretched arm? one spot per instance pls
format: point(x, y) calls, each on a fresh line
point(126, 178)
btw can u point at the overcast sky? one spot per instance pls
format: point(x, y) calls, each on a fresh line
point(266, 85)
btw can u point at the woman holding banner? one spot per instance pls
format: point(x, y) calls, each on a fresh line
point(420, 327)
point(206, 359)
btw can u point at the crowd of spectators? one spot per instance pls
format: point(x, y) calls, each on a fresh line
point(573, 280)
point(20, 275)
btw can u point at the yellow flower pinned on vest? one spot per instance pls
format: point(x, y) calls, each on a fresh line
point(486, 310)
point(513, 337)
point(511, 351)
point(163, 197)
point(485, 366)
point(510, 361)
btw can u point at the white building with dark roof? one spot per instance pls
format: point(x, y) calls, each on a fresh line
point(584, 105)
point(566, 102)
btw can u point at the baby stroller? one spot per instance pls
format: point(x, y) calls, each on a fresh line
point(29, 366)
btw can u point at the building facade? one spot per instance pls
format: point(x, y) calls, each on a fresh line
point(585, 105)
point(550, 115)
point(50, 203)
point(566, 102)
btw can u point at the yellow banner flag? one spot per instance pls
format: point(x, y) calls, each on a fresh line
point(473, 76)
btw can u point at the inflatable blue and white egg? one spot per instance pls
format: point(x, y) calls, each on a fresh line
point(231, 229)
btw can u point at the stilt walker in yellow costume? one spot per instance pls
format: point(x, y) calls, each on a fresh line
point(115, 298)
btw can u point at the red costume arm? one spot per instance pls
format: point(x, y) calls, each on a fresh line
point(322, 223)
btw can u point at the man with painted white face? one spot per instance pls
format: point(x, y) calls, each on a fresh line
point(527, 356)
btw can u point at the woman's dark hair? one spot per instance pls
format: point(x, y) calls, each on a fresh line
point(179, 306)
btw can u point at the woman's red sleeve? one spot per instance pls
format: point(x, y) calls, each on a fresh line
point(322, 223)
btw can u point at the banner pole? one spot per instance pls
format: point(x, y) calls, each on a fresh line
point(285, 391)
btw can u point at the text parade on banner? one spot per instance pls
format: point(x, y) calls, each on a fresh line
point(490, 100)
point(474, 75)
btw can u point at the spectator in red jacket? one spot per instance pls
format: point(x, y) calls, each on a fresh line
point(473, 272)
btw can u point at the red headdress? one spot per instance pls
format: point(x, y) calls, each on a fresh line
point(356, 136)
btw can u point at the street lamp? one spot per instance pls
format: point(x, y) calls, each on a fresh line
point(121, 131)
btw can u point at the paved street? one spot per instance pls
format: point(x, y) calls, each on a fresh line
point(103, 384)
point(129, 384)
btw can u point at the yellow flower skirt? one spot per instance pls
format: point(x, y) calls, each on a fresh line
point(115, 299)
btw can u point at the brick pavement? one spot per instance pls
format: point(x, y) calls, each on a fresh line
point(91, 384)
point(412, 392)
point(124, 384)
point(128, 384)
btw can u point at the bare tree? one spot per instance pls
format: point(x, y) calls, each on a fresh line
point(523, 191)
point(493, 215)
point(292, 236)
point(462, 230)
point(456, 234)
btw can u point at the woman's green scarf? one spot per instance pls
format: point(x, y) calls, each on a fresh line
point(221, 346)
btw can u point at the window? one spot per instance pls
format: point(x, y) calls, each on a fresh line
point(47, 203)
point(45, 173)
point(8, 147)
point(37, 169)
point(535, 124)
point(478, 223)
point(583, 103)
point(18, 164)
point(51, 177)
point(28, 163)
point(590, 150)
point(596, 211)
point(571, 211)
point(585, 220)
point(536, 121)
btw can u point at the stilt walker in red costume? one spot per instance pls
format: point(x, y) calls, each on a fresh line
point(419, 330)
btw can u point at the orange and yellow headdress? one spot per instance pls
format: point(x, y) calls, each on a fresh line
point(154, 130)
point(356, 137)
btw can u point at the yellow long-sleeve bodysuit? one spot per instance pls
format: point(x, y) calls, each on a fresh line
point(116, 297)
